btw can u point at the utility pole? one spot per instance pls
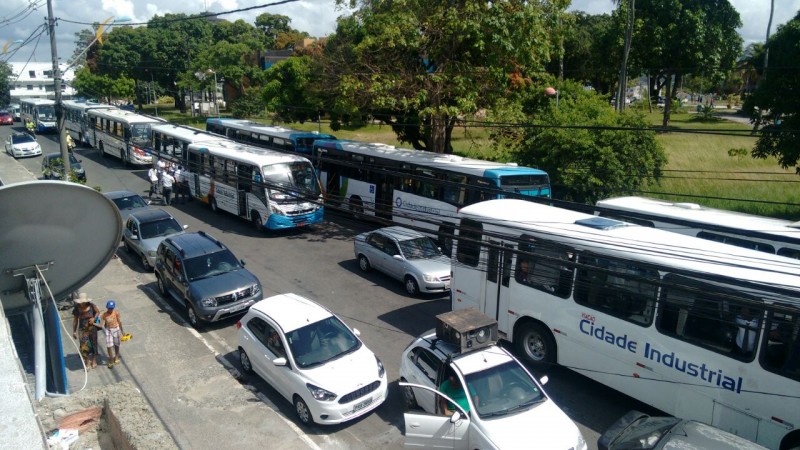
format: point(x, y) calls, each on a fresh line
point(623, 73)
point(51, 27)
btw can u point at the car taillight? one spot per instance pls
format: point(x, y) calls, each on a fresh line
point(238, 324)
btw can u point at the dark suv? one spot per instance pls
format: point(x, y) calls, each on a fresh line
point(200, 273)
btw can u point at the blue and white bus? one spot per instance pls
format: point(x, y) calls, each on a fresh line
point(76, 119)
point(120, 133)
point(416, 188)
point(41, 112)
point(698, 329)
point(272, 190)
point(271, 137)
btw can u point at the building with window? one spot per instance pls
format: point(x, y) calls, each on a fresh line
point(35, 80)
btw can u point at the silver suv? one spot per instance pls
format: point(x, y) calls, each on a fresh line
point(200, 273)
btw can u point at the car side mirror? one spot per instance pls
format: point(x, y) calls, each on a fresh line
point(241, 261)
point(455, 417)
point(279, 361)
point(134, 237)
point(398, 257)
point(185, 227)
point(544, 380)
point(356, 332)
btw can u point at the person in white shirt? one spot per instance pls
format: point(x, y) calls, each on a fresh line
point(167, 180)
point(152, 175)
point(178, 189)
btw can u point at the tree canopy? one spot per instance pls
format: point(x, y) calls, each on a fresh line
point(5, 87)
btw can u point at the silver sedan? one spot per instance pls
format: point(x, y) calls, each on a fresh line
point(145, 229)
point(406, 255)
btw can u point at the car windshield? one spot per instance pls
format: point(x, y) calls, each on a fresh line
point(321, 342)
point(288, 178)
point(22, 138)
point(211, 265)
point(644, 433)
point(129, 202)
point(419, 248)
point(504, 389)
point(157, 228)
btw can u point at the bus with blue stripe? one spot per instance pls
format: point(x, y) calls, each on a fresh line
point(266, 136)
point(420, 189)
point(40, 112)
point(76, 119)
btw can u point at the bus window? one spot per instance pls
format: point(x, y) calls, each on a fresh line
point(618, 288)
point(545, 268)
point(789, 252)
point(781, 352)
point(744, 243)
point(468, 249)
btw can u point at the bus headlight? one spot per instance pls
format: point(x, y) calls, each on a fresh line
point(276, 210)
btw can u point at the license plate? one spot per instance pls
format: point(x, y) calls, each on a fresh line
point(362, 405)
point(301, 224)
point(238, 307)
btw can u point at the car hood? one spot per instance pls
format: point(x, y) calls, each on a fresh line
point(693, 435)
point(345, 374)
point(25, 146)
point(223, 283)
point(542, 427)
point(151, 244)
point(439, 265)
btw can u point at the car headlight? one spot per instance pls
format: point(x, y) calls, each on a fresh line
point(381, 369)
point(429, 278)
point(209, 302)
point(151, 253)
point(256, 289)
point(320, 394)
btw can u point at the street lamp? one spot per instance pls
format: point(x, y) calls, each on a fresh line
point(551, 91)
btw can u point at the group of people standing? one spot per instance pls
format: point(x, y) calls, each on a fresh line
point(167, 178)
point(87, 320)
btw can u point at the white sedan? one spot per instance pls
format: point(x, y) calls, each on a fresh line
point(22, 144)
point(505, 408)
point(405, 255)
point(312, 359)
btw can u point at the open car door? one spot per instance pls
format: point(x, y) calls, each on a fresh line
point(426, 430)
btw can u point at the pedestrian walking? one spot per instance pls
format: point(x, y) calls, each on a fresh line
point(178, 186)
point(167, 180)
point(84, 315)
point(187, 191)
point(113, 328)
point(152, 175)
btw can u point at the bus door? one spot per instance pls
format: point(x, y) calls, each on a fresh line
point(498, 275)
point(244, 177)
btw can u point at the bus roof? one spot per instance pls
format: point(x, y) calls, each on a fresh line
point(694, 212)
point(588, 232)
point(124, 116)
point(245, 153)
point(37, 101)
point(249, 125)
point(443, 161)
point(83, 105)
point(187, 133)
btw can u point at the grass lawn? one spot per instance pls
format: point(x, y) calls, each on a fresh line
point(699, 168)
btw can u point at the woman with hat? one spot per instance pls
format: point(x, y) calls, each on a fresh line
point(84, 315)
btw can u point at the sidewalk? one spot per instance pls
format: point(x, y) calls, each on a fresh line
point(190, 389)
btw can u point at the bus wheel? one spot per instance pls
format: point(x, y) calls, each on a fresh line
point(213, 204)
point(256, 219)
point(535, 343)
point(355, 206)
point(79, 143)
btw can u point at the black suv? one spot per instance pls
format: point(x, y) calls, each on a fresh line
point(200, 273)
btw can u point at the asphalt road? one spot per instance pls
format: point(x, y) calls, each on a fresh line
point(318, 263)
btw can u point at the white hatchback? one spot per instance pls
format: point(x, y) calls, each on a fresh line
point(311, 358)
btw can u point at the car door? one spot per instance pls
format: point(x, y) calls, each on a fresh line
point(374, 250)
point(394, 267)
point(426, 430)
point(130, 231)
point(424, 370)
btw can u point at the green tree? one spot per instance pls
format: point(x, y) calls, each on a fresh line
point(675, 37)
point(5, 88)
point(102, 87)
point(777, 100)
point(420, 65)
point(290, 90)
point(592, 162)
point(272, 25)
point(590, 48)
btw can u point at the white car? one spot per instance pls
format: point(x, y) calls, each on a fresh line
point(22, 144)
point(507, 407)
point(312, 359)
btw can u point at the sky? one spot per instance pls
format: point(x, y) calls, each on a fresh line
point(18, 20)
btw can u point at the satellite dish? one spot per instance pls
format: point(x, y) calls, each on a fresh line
point(68, 229)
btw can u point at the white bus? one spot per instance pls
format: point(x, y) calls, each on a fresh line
point(766, 234)
point(270, 189)
point(41, 112)
point(121, 133)
point(76, 119)
point(698, 329)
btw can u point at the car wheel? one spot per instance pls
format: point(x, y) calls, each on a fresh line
point(408, 395)
point(213, 203)
point(412, 287)
point(244, 360)
point(535, 343)
point(192, 316)
point(303, 413)
point(162, 287)
point(363, 263)
point(146, 263)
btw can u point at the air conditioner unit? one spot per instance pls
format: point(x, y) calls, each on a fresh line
point(469, 329)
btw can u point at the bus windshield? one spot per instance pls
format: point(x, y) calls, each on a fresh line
point(140, 134)
point(288, 178)
point(47, 113)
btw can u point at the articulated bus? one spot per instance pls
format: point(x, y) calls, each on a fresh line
point(76, 119)
point(120, 133)
point(40, 112)
point(781, 237)
point(270, 189)
point(698, 329)
point(260, 135)
point(417, 188)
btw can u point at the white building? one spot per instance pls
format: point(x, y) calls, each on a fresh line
point(35, 80)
